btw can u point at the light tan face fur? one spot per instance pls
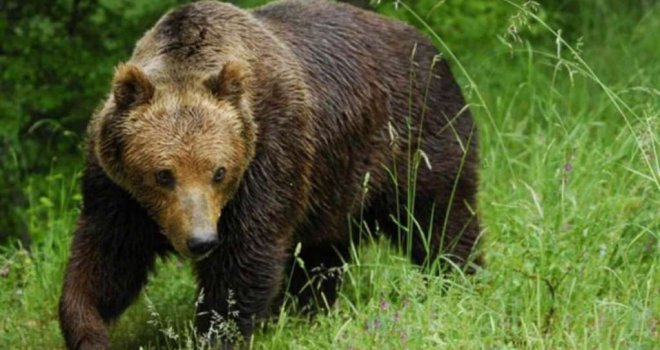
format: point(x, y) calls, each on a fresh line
point(182, 155)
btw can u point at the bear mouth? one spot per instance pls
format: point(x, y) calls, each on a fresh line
point(198, 258)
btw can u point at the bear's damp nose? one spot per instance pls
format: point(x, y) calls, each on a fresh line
point(202, 245)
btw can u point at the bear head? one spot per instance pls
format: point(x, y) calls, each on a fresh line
point(179, 146)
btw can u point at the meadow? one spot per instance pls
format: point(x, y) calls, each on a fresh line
point(568, 107)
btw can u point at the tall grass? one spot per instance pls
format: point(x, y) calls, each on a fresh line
point(569, 203)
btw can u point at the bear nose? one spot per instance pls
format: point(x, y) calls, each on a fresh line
point(202, 245)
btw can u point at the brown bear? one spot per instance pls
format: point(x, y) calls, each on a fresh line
point(233, 137)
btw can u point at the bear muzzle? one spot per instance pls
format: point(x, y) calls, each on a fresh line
point(191, 223)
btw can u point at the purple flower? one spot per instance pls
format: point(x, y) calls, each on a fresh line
point(372, 325)
point(384, 305)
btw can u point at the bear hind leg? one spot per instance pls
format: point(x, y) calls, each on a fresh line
point(436, 232)
point(315, 276)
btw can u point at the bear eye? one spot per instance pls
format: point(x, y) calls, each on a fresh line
point(165, 178)
point(219, 175)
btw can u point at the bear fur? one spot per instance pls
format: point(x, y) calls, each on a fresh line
point(262, 131)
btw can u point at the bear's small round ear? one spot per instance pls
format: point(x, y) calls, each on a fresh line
point(231, 82)
point(131, 87)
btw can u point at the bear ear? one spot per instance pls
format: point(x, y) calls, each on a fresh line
point(232, 81)
point(131, 87)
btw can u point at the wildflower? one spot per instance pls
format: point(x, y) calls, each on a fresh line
point(384, 305)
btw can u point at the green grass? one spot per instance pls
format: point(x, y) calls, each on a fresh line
point(570, 191)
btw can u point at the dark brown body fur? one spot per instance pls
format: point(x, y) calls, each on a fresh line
point(335, 90)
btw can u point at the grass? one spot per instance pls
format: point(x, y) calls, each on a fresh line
point(570, 191)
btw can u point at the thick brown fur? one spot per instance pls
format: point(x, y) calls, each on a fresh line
point(300, 102)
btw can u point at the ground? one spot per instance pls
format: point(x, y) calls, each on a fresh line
point(569, 195)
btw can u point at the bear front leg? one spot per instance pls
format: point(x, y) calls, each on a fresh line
point(114, 246)
point(238, 283)
point(106, 271)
